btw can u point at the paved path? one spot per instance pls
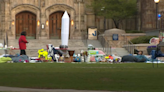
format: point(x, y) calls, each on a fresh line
point(13, 89)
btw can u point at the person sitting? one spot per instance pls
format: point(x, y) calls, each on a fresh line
point(159, 53)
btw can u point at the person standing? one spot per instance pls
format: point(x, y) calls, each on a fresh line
point(22, 43)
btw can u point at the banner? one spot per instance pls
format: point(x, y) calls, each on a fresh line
point(115, 37)
point(92, 34)
point(161, 36)
point(154, 40)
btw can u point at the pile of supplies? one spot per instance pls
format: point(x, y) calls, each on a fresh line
point(14, 58)
point(43, 55)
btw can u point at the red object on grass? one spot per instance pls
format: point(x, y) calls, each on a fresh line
point(110, 57)
point(38, 59)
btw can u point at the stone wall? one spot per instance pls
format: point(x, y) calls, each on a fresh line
point(147, 14)
point(130, 36)
point(123, 37)
point(2, 13)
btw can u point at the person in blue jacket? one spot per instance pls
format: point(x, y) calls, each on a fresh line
point(141, 58)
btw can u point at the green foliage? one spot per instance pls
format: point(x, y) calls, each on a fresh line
point(115, 9)
point(142, 39)
point(133, 31)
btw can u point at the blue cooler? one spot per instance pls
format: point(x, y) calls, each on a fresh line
point(77, 59)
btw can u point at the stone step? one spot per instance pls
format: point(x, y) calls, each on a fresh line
point(34, 45)
point(121, 51)
point(95, 43)
point(42, 43)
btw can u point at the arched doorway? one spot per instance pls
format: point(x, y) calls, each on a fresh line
point(55, 25)
point(26, 21)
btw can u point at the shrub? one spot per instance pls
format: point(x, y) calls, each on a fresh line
point(133, 31)
point(142, 39)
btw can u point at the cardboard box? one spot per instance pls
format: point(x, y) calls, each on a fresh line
point(67, 59)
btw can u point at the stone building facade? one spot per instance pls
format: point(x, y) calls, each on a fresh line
point(41, 19)
point(147, 15)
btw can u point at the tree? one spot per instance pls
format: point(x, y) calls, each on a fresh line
point(117, 10)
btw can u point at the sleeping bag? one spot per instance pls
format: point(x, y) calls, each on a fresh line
point(129, 58)
point(5, 59)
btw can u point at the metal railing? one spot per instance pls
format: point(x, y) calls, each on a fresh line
point(129, 46)
point(5, 42)
point(105, 44)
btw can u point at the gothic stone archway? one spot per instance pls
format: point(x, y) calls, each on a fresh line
point(56, 8)
point(55, 24)
point(21, 8)
point(26, 21)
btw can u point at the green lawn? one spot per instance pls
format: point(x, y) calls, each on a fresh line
point(113, 77)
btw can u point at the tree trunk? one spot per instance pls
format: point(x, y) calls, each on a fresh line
point(116, 22)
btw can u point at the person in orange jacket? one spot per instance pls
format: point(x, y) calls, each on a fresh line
point(22, 43)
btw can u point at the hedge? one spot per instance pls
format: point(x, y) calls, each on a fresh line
point(133, 31)
point(142, 39)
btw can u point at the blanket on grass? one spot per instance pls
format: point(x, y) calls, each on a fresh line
point(20, 59)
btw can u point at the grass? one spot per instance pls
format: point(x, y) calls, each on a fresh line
point(136, 77)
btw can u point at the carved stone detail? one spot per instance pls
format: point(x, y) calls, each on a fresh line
point(43, 3)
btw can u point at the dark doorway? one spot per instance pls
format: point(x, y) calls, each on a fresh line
point(26, 21)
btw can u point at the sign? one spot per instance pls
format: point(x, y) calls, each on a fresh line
point(92, 33)
point(115, 37)
point(154, 40)
point(159, 16)
point(161, 37)
point(93, 52)
point(42, 26)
